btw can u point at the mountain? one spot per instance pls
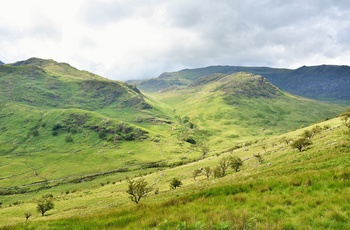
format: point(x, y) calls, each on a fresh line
point(81, 140)
point(235, 107)
point(1, 63)
point(46, 83)
point(325, 82)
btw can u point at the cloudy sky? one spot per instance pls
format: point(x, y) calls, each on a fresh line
point(133, 39)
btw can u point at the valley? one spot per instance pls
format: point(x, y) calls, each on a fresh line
point(80, 137)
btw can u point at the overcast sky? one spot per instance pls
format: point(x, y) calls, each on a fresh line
point(133, 39)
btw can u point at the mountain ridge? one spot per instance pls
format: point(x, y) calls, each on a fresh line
point(41, 82)
point(322, 82)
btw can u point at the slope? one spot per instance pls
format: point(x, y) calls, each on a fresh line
point(325, 82)
point(48, 84)
point(239, 108)
point(59, 124)
point(287, 190)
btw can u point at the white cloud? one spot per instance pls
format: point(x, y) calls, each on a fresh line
point(142, 38)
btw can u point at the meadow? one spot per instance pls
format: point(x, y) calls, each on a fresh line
point(288, 190)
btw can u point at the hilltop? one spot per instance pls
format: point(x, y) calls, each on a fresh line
point(325, 82)
point(236, 107)
point(48, 84)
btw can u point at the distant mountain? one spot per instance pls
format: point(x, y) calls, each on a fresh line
point(49, 84)
point(1, 63)
point(325, 82)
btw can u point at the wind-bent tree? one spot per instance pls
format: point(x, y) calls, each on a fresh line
point(137, 189)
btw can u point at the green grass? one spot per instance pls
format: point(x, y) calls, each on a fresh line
point(113, 137)
point(289, 190)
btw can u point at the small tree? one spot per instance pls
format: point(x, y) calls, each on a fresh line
point(235, 163)
point(308, 134)
point(301, 143)
point(217, 172)
point(196, 173)
point(224, 164)
point(287, 140)
point(174, 183)
point(207, 171)
point(44, 204)
point(27, 215)
point(137, 189)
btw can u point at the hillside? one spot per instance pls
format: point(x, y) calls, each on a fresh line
point(326, 82)
point(287, 189)
point(238, 107)
point(75, 137)
point(48, 84)
point(1, 63)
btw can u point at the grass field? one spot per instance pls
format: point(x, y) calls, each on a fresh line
point(81, 150)
point(288, 190)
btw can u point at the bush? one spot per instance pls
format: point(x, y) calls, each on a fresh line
point(56, 127)
point(236, 163)
point(174, 183)
point(68, 138)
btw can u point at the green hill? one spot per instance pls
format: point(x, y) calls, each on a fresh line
point(240, 107)
point(48, 84)
point(325, 82)
point(76, 136)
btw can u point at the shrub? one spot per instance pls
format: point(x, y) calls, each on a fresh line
point(174, 183)
point(236, 163)
point(56, 127)
point(68, 138)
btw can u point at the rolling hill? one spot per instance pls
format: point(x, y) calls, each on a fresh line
point(236, 107)
point(48, 84)
point(325, 82)
point(75, 136)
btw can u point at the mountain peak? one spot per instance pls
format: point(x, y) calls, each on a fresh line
point(35, 61)
point(248, 85)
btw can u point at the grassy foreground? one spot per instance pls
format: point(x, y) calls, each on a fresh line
point(288, 190)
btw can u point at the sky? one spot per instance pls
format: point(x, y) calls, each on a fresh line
point(137, 39)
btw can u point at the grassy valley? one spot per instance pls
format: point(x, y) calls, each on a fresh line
point(77, 138)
